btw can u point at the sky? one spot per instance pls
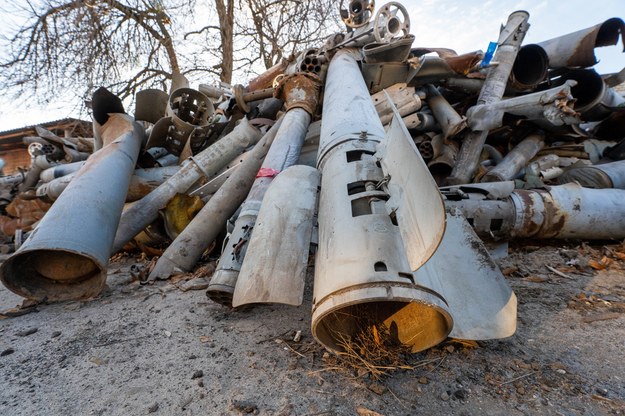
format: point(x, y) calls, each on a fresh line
point(464, 26)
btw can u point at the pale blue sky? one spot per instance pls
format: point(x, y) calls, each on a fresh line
point(465, 26)
point(470, 24)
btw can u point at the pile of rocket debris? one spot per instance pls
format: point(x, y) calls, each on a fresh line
point(388, 162)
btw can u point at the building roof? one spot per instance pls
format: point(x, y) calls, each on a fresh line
point(12, 139)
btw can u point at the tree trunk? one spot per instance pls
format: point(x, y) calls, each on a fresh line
point(225, 11)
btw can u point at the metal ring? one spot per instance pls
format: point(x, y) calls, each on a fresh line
point(387, 25)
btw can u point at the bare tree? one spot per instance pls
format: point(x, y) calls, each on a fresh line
point(65, 44)
point(255, 34)
point(222, 52)
point(279, 28)
point(127, 45)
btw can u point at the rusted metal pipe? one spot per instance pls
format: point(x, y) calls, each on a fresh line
point(494, 87)
point(577, 49)
point(595, 100)
point(563, 211)
point(516, 159)
point(265, 80)
point(206, 163)
point(67, 255)
point(607, 175)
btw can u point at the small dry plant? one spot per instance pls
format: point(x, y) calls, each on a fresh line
point(371, 350)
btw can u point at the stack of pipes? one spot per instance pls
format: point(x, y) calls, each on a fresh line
point(386, 159)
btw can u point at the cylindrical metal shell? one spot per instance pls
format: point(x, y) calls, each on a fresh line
point(450, 121)
point(494, 87)
point(142, 182)
point(577, 49)
point(283, 153)
point(362, 274)
point(66, 256)
point(530, 67)
point(301, 96)
point(60, 171)
point(352, 114)
point(564, 211)
point(607, 175)
point(274, 270)
point(206, 163)
point(361, 268)
point(595, 100)
point(188, 247)
point(575, 212)
point(516, 159)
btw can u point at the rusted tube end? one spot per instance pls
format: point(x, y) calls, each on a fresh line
point(415, 317)
point(493, 177)
point(590, 91)
point(53, 275)
point(587, 176)
point(300, 90)
point(530, 67)
point(221, 288)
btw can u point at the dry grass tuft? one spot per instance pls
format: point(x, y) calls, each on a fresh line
point(373, 351)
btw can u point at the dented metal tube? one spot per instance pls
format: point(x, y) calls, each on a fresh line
point(66, 256)
point(577, 49)
point(516, 159)
point(563, 211)
point(283, 153)
point(362, 273)
point(206, 163)
point(184, 252)
point(510, 39)
point(554, 105)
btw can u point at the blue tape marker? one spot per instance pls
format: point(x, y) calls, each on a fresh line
point(488, 56)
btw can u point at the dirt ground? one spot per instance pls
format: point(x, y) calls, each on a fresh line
point(143, 349)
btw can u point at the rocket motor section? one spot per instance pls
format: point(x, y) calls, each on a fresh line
point(362, 274)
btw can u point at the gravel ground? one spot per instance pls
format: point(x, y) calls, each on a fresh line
point(159, 349)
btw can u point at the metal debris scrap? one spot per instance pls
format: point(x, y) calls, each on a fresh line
point(421, 152)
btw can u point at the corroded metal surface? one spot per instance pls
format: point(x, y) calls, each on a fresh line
point(577, 49)
point(300, 90)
